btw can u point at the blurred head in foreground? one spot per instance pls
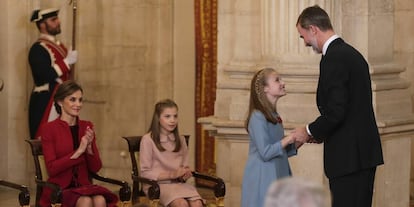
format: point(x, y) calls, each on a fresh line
point(296, 192)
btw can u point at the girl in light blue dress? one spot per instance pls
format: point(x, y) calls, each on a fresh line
point(269, 149)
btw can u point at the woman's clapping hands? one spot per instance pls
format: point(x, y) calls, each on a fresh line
point(85, 144)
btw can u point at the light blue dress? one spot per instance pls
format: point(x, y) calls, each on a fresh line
point(267, 160)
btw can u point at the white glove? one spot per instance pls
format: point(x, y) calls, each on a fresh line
point(72, 57)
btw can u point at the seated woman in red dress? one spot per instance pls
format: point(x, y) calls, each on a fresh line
point(70, 153)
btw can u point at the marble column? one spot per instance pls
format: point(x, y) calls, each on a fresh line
point(253, 35)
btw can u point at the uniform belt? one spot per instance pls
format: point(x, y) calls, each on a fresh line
point(44, 87)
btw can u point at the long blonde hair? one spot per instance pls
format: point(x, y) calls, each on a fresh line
point(258, 100)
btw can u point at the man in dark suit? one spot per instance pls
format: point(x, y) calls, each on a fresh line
point(346, 125)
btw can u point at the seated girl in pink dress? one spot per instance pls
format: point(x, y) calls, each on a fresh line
point(164, 157)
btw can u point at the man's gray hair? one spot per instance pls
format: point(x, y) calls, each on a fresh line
point(296, 192)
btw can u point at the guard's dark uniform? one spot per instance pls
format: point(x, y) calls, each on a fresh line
point(48, 69)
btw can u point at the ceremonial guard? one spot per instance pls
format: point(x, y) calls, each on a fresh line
point(50, 64)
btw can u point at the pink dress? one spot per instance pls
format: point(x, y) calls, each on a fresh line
point(153, 162)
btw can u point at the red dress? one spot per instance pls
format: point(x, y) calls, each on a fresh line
point(57, 144)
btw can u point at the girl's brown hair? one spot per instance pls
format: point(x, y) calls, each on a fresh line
point(258, 100)
point(155, 128)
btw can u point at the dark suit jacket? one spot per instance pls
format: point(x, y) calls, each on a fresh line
point(347, 123)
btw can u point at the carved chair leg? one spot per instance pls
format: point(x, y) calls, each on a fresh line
point(125, 203)
point(220, 202)
point(154, 203)
point(143, 199)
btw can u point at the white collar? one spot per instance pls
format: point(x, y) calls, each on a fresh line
point(326, 44)
point(48, 37)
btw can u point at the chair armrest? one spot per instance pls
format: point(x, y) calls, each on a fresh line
point(24, 195)
point(108, 180)
point(56, 196)
point(153, 190)
point(124, 192)
point(219, 187)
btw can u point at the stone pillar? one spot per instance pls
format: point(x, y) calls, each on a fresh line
point(254, 35)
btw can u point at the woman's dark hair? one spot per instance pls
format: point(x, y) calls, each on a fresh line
point(64, 90)
point(155, 128)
